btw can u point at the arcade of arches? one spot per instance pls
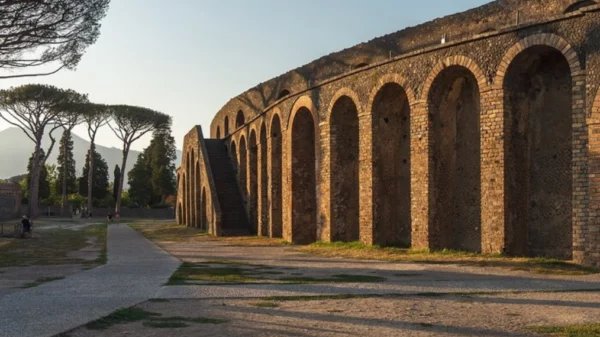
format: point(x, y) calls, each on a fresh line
point(469, 157)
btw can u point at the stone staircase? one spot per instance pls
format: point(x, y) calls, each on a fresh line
point(234, 220)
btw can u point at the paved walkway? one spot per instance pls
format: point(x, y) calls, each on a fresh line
point(135, 271)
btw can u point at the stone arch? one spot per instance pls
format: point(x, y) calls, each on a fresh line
point(253, 180)
point(203, 210)
point(303, 101)
point(460, 61)
point(275, 178)
point(545, 39)
point(390, 103)
point(303, 138)
point(218, 132)
point(579, 5)
point(240, 119)
point(197, 184)
point(454, 106)
point(226, 126)
point(538, 148)
point(344, 152)
point(187, 182)
point(242, 167)
point(264, 182)
point(184, 215)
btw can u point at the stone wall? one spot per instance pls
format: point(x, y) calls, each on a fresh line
point(435, 147)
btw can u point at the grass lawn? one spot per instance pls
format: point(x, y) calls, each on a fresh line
point(581, 330)
point(150, 319)
point(52, 247)
point(356, 250)
point(168, 232)
point(232, 272)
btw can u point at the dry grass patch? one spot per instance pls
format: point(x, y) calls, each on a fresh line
point(581, 330)
point(355, 250)
point(168, 232)
point(52, 247)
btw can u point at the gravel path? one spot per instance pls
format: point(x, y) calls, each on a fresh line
point(135, 271)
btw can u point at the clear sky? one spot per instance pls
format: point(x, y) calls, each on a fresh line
point(187, 58)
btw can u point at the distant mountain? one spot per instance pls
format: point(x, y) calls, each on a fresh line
point(16, 148)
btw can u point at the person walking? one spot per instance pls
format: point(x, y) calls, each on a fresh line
point(26, 226)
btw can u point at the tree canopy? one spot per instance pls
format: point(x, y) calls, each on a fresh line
point(99, 177)
point(57, 32)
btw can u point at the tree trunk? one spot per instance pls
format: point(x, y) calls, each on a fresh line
point(64, 201)
point(120, 190)
point(90, 181)
point(34, 182)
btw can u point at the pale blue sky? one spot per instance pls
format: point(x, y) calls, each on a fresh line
point(187, 58)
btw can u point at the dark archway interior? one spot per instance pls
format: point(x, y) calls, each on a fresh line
point(345, 225)
point(242, 169)
point(253, 183)
point(264, 181)
point(218, 132)
point(579, 5)
point(391, 167)
point(304, 198)
point(283, 93)
point(197, 184)
point(239, 119)
point(276, 196)
point(538, 154)
point(455, 199)
point(203, 211)
point(226, 126)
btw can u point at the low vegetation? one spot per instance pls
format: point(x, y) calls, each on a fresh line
point(582, 330)
point(52, 247)
point(41, 280)
point(232, 272)
point(150, 319)
point(168, 232)
point(356, 250)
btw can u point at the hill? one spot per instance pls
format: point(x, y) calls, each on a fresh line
point(16, 148)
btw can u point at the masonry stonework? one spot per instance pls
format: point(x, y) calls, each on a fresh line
point(488, 142)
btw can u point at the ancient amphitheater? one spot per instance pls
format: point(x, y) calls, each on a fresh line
point(479, 131)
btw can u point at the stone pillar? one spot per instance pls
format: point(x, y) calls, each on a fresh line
point(324, 183)
point(492, 171)
point(365, 168)
point(286, 183)
point(420, 176)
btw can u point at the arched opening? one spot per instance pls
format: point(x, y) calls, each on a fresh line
point(253, 183)
point(218, 132)
point(243, 178)
point(264, 181)
point(197, 185)
point(455, 199)
point(192, 193)
point(304, 184)
point(234, 156)
point(344, 167)
point(538, 154)
point(184, 215)
point(226, 126)
point(361, 65)
point(239, 119)
point(391, 167)
point(283, 93)
point(276, 230)
point(579, 5)
point(203, 211)
point(188, 185)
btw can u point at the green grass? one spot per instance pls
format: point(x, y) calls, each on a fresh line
point(581, 330)
point(159, 300)
point(356, 250)
point(222, 271)
point(121, 316)
point(266, 304)
point(168, 232)
point(52, 247)
point(41, 280)
point(180, 322)
point(165, 324)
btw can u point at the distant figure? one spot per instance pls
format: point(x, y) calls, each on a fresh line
point(109, 216)
point(26, 226)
